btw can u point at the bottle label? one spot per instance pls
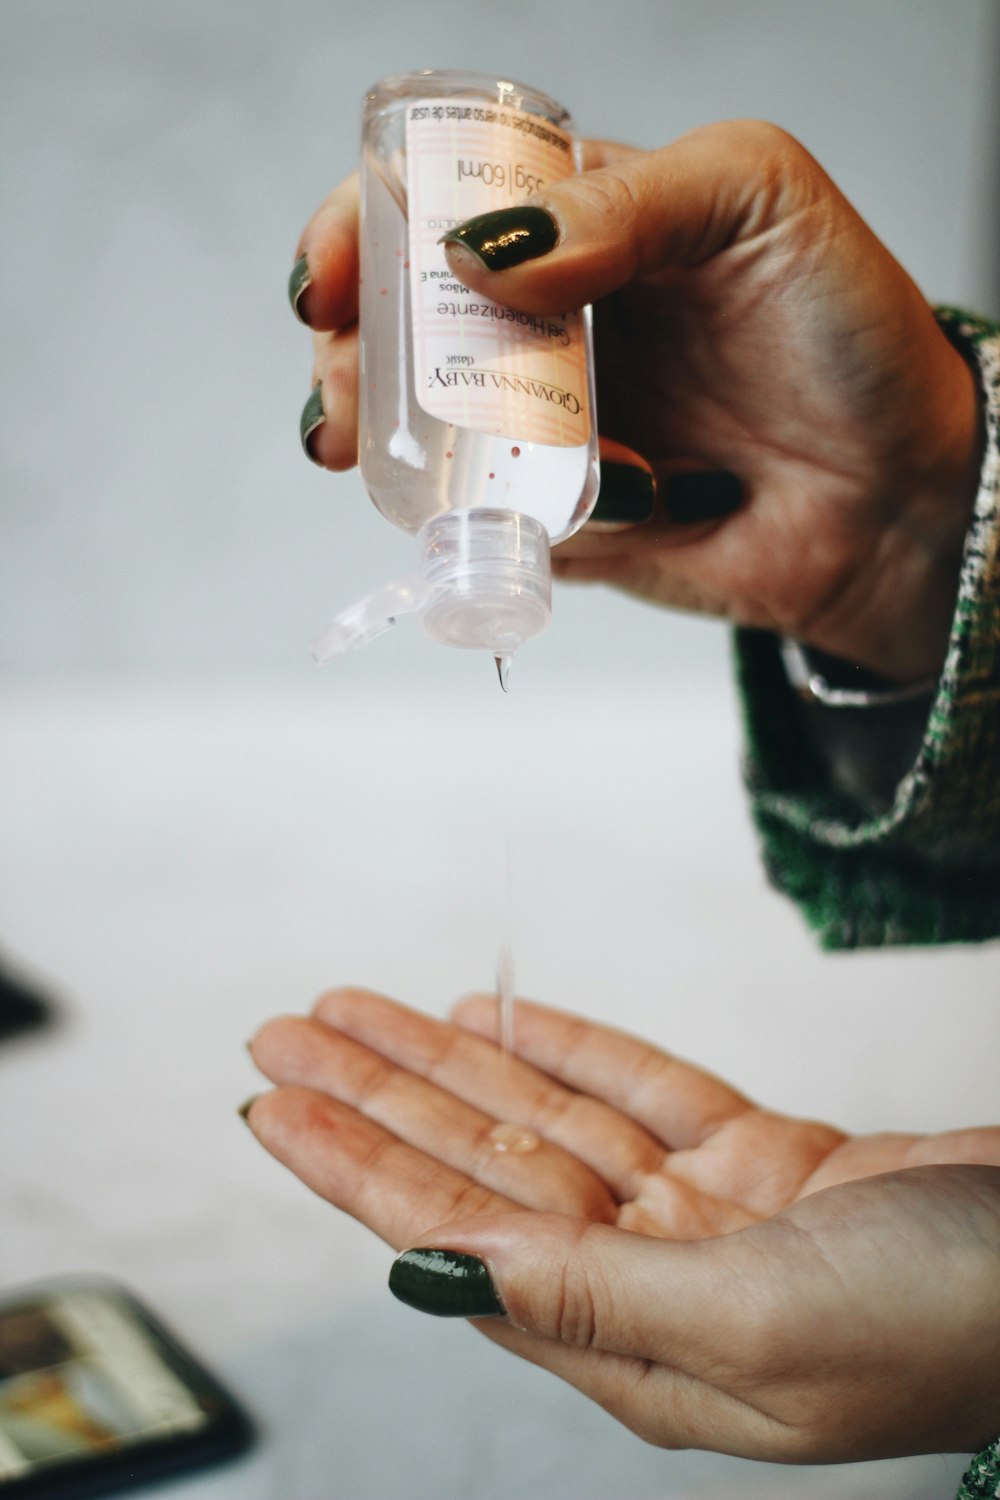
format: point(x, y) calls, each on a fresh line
point(477, 364)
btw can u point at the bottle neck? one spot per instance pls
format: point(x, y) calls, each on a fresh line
point(488, 576)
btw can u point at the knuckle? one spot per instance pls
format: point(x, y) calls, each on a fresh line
point(340, 370)
point(611, 199)
point(757, 140)
point(606, 192)
point(771, 138)
point(554, 1108)
point(575, 1321)
point(469, 1200)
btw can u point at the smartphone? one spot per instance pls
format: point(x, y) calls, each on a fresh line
point(97, 1396)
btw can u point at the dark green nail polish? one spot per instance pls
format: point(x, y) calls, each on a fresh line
point(703, 495)
point(300, 279)
point(507, 236)
point(246, 1106)
point(627, 493)
point(313, 417)
point(445, 1283)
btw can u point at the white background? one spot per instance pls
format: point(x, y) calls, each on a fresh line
point(199, 830)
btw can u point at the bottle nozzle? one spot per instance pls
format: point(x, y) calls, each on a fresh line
point(484, 581)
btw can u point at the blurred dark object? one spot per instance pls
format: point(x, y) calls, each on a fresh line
point(22, 1008)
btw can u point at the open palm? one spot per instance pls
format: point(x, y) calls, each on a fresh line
point(391, 1115)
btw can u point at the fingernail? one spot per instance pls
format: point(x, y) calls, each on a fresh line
point(506, 237)
point(445, 1283)
point(627, 493)
point(300, 279)
point(702, 495)
point(312, 418)
point(246, 1106)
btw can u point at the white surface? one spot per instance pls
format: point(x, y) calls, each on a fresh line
point(178, 864)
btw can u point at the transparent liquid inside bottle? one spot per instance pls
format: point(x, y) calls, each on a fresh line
point(414, 465)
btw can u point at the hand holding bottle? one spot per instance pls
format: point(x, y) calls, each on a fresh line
point(714, 1274)
point(748, 324)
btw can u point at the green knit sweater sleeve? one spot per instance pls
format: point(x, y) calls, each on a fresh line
point(981, 1480)
point(924, 866)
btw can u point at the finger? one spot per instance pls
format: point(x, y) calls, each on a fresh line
point(683, 535)
point(680, 567)
point(677, 1103)
point(638, 1325)
point(297, 1051)
point(329, 424)
point(639, 215)
point(599, 153)
point(323, 288)
point(613, 452)
point(471, 1068)
point(360, 1167)
point(627, 493)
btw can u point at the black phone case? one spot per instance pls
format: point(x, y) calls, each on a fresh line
point(144, 1460)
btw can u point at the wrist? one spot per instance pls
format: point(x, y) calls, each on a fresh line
point(820, 678)
point(864, 732)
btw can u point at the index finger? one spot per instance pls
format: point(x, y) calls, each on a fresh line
point(323, 287)
point(676, 1102)
point(364, 1169)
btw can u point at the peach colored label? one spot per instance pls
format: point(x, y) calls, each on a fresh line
point(478, 364)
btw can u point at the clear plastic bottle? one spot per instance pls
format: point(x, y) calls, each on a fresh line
point(476, 422)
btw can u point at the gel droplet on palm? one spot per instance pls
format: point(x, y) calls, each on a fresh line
point(509, 1136)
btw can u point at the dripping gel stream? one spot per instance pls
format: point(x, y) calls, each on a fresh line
point(508, 1135)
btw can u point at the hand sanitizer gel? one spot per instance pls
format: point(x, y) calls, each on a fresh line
point(476, 421)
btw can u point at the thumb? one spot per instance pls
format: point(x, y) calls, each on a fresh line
point(652, 1330)
point(581, 1284)
point(638, 213)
